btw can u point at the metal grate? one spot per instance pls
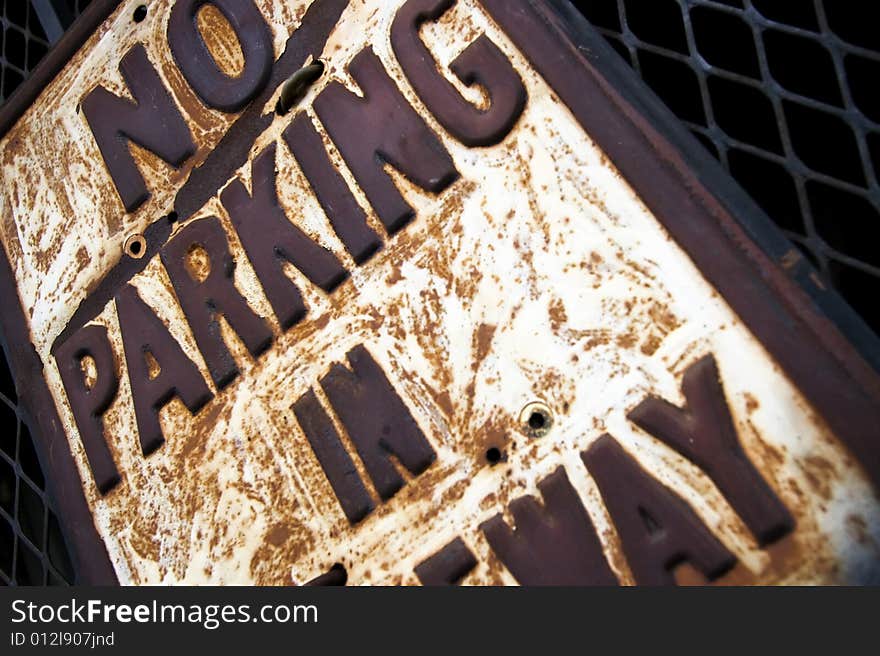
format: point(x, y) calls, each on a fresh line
point(781, 92)
point(32, 550)
point(28, 28)
point(22, 44)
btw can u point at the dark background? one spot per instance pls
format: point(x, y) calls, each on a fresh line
point(783, 92)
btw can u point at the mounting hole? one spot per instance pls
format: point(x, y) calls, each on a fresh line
point(140, 13)
point(172, 217)
point(536, 419)
point(297, 85)
point(493, 455)
point(135, 246)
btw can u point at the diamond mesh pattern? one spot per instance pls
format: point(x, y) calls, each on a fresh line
point(32, 551)
point(784, 95)
point(781, 92)
point(22, 44)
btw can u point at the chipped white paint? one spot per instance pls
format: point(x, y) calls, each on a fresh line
point(538, 276)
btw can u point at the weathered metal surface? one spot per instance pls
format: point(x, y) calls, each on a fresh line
point(537, 282)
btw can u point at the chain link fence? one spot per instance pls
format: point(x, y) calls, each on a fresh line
point(32, 550)
point(781, 92)
point(23, 43)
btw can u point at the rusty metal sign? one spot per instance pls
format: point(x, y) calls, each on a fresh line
point(440, 308)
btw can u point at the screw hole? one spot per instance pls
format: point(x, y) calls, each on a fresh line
point(536, 419)
point(493, 455)
point(172, 217)
point(140, 13)
point(135, 246)
point(297, 85)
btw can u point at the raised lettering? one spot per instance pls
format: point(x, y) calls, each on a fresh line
point(152, 121)
point(448, 566)
point(339, 204)
point(144, 335)
point(203, 295)
point(704, 433)
point(481, 63)
point(377, 420)
point(269, 237)
point(335, 576)
point(553, 544)
point(382, 128)
point(334, 459)
point(657, 529)
point(90, 398)
point(215, 88)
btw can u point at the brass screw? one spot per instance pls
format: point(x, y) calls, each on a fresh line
point(536, 419)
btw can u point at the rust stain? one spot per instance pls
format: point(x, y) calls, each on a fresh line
point(752, 403)
point(144, 538)
point(442, 399)
point(220, 40)
point(558, 316)
point(482, 343)
point(820, 474)
point(278, 535)
point(395, 277)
